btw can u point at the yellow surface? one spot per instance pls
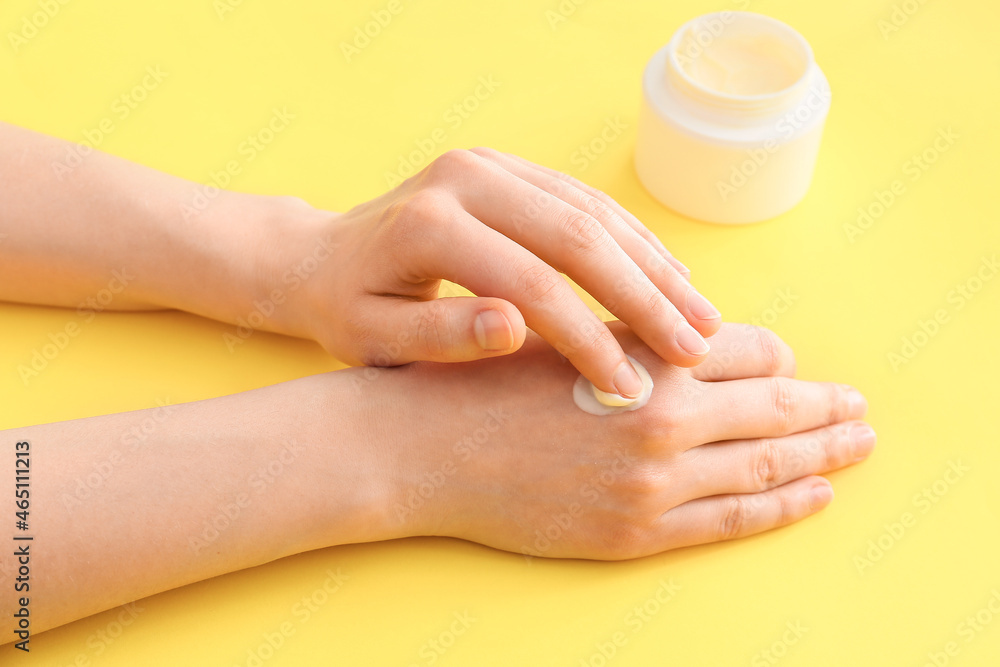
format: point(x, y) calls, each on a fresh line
point(560, 86)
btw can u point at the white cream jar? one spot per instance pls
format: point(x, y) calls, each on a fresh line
point(732, 117)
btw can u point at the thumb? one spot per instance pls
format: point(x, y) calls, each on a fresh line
point(448, 329)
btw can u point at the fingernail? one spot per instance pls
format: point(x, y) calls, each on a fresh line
point(856, 403)
point(700, 307)
point(863, 437)
point(627, 381)
point(690, 340)
point(820, 496)
point(493, 331)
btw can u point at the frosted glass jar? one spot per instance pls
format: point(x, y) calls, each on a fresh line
point(732, 117)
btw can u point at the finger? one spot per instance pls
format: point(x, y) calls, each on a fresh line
point(492, 265)
point(649, 257)
point(772, 407)
point(444, 330)
point(728, 517)
point(629, 219)
point(743, 351)
point(752, 466)
point(578, 244)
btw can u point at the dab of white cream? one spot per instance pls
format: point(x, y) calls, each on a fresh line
point(591, 399)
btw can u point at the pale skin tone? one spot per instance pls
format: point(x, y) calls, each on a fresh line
point(493, 451)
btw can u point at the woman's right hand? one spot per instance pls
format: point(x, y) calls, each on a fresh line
point(504, 228)
point(497, 452)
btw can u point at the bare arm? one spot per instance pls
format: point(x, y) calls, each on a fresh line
point(99, 228)
point(496, 452)
point(127, 505)
point(76, 227)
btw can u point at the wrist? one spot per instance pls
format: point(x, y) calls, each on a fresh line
point(355, 462)
point(297, 270)
point(245, 261)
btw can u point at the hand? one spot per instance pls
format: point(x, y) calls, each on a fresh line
point(505, 458)
point(503, 228)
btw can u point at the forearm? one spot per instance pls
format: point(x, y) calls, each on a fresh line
point(128, 505)
point(102, 233)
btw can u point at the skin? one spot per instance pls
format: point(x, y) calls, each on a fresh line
point(355, 282)
point(730, 448)
point(493, 450)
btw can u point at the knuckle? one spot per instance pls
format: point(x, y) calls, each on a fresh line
point(735, 518)
point(782, 403)
point(538, 283)
point(770, 349)
point(655, 265)
point(588, 340)
point(666, 420)
point(594, 207)
point(766, 466)
point(451, 162)
point(786, 509)
point(840, 408)
point(420, 208)
point(828, 449)
point(642, 489)
point(485, 152)
point(582, 233)
point(431, 331)
point(623, 539)
point(654, 304)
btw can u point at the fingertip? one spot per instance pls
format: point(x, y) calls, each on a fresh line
point(690, 342)
point(626, 381)
point(492, 331)
point(707, 328)
point(820, 495)
point(499, 327)
point(701, 307)
point(856, 402)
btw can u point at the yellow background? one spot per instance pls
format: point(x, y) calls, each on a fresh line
point(854, 302)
